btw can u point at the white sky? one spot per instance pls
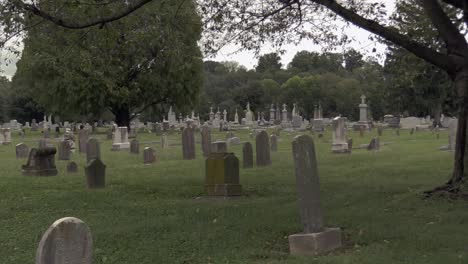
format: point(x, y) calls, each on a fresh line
point(248, 59)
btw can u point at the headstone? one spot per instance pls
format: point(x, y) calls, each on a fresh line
point(222, 175)
point(67, 241)
point(22, 151)
point(5, 136)
point(95, 174)
point(42, 143)
point(188, 143)
point(47, 133)
point(363, 115)
point(247, 155)
point(120, 141)
point(134, 147)
point(339, 142)
point(83, 137)
point(219, 147)
point(72, 167)
point(374, 144)
point(206, 139)
point(315, 239)
point(149, 156)
point(93, 150)
point(262, 148)
point(350, 145)
point(274, 143)
point(164, 142)
point(41, 162)
point(64, 150)
point(229, 135)
point(233, 141)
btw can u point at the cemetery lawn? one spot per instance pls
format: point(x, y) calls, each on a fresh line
point(151, 214)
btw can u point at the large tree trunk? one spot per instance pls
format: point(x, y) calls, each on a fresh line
point(122, 116)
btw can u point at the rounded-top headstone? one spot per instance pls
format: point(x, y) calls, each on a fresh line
point(67, 241)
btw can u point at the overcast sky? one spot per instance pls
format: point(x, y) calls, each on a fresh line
point(248, 59)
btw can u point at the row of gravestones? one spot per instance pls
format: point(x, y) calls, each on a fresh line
point(69, 240)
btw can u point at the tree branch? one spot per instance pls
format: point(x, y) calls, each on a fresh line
point(436, 58)
point(32, 8)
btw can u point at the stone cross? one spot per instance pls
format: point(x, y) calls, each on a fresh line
point(67, 241)
point(247, 155)
point(262, 149)
point(363, 99)
point(93, 150)
point(188, 143)
point(95, 174)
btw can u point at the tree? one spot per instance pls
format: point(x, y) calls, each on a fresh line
point(251, 23)
point(122, 67)
point(314, 62)
point(270, 62)
point(4, 87)
point(353, 60)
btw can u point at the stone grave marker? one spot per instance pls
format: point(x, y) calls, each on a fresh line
point(67, 241)
point(72, 167)
point(95, 174)
point(164, 141)
point(247, 155)
point(206, 140)
point(64, 150)
point(222, 175)
point(83, 137)
point(41, 162)
point(274, 143)
point(315, 239)
point(93, 150)
point(134, 147)
point(262, 148)
point(149, 156)
point(188, 143)
point(22, 151)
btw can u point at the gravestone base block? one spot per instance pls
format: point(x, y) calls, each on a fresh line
point(315, 243)
point(223, 189)
point(340, 148)
point(362, 124)
point(35, 172)
point(120, 146)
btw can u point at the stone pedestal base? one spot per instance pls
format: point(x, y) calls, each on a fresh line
point(362, 124)
point(35, 172)
point(223, 189)
point(120, 146)
point(315, 243)
point(340, 148)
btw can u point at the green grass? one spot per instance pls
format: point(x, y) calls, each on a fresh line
point(150, 214)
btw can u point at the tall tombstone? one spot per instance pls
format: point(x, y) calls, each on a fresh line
point(120, 139)
point(67, 241)
point(95, 174)
point(262, 148)
point(164, 141)
point(134, 147)
point(206, 140)
point(64, 150)
point(93, 150)
point(22, 151)
point(247, 155)
point(149, 156)
point(315, 238)
point(188, 143)
point(274, 143)
point(339, 142)
point(83, 137)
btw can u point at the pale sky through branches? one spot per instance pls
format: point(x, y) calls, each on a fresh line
point(249, 60)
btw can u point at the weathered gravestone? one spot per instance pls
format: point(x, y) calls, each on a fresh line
point(67, 241)
point(315, 239)
point(164, 142)
point(41, 162)
point(149, 156)
point(72, 167)
point(350, 145)
point(374, 144)
point(219, 147)
point(134, 147)
point(22, 151)
point(120, 141)
point(274, 143)
point(83, 137)
point(93, 150)
point(64, 150)
point(5, 136)
point(247, 155)
point(188, 143)
point(339, 141)
point(262, 149)
point(222, 175)
point(206, 140)
point(95, 174)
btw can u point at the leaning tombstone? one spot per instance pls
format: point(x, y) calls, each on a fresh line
point(149, 156)
point(64, 150)
point(222, 175)
point(206, 140)
point(274, 143)
point(188, 143)
point(41, 162)
point(67, 241)
point(315, 239)
point(134, 147)
point(95, 174)
point(22, 151)
point(72, 167)
point(262, 148)
point(247, 155)
point(93, 150)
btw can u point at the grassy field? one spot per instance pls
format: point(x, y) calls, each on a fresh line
point(151, 214)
